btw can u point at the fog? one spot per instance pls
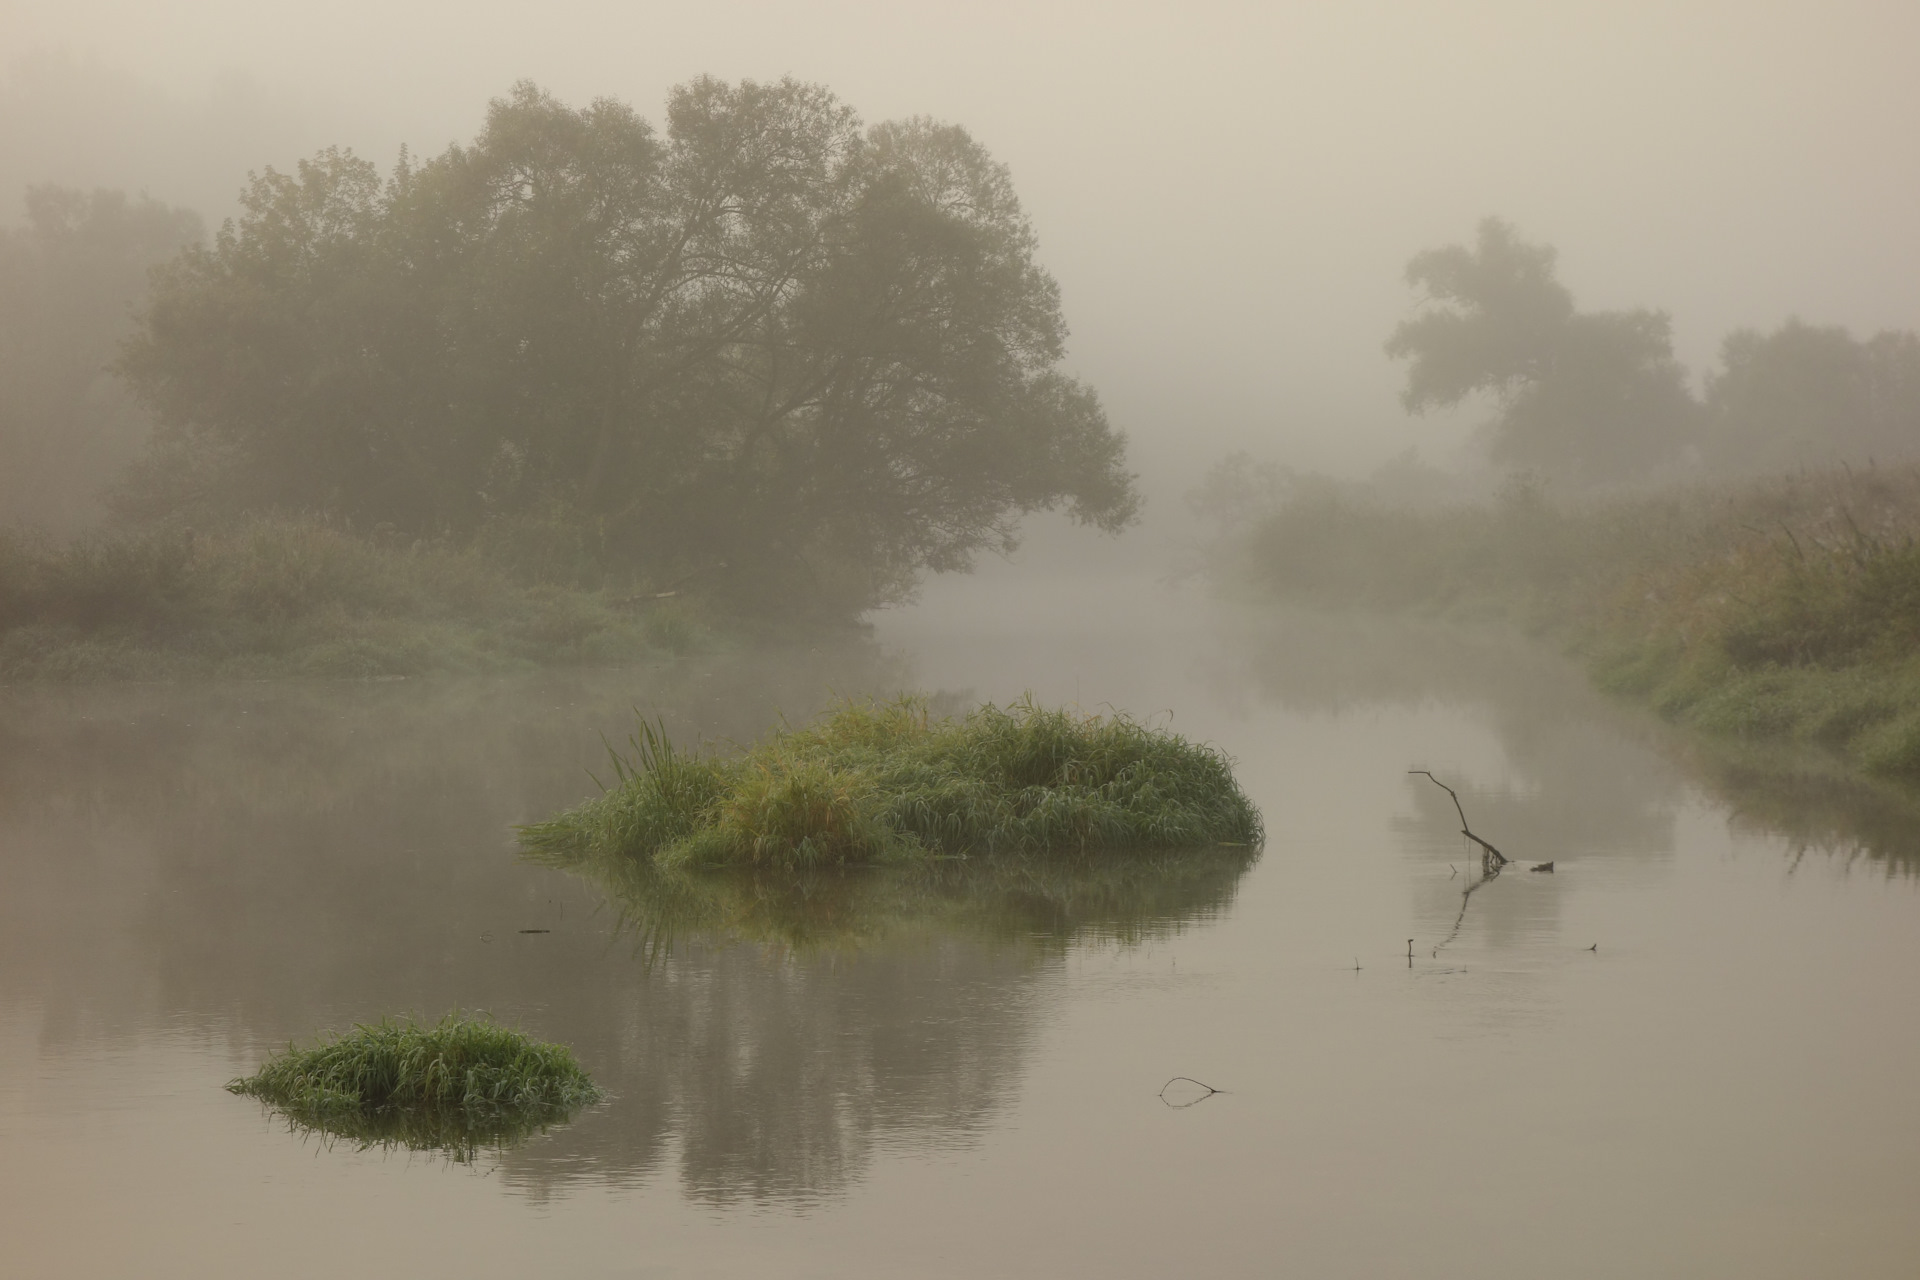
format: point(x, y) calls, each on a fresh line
point(1227, 194)
point(617, 386)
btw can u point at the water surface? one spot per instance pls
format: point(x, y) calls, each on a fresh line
point(1687, 1051)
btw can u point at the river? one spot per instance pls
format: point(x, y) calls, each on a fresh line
point(1688, 1050)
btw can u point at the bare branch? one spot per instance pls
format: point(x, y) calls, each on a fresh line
point(1493, 855)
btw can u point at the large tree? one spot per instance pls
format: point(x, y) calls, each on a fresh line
point(765, 338)
point(1588, 396)
point(70, 279)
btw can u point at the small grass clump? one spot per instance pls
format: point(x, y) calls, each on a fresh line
point(884, 782)
point(453, 1085)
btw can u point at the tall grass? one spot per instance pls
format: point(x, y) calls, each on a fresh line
point(280, 595)
point(450, 1085)
point(885, 781)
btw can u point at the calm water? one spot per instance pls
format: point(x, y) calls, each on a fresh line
point(1689, 1051)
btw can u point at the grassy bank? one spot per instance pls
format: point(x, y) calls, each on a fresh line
point(889, 782)
point(1782, 611)
point(453, 1085)
point(278, 596)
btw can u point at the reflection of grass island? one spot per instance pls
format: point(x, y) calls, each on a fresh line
point(890, 782)
point(455, 1085)
point(1043, 901)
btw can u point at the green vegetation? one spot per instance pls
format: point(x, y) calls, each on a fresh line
point(1787, 610)
point(799, 359)
point(455, 1085)
point(267, 596)
point(876, 783)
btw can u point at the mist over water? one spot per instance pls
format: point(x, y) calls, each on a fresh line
point(719, 365)
point(201, 875)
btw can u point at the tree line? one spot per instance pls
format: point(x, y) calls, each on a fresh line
point(766, 348)
point(762, 350)
point(1596, 397)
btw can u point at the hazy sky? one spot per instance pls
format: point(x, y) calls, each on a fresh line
point(1227, 193)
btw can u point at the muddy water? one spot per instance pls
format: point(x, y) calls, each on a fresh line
point(1688, 1051)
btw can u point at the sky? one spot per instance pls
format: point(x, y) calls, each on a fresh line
point(1227, 193)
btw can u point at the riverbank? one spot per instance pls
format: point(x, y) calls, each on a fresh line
point(288, 597)
point(1781, 611)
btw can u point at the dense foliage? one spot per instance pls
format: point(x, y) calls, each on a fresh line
point(875, 783)
point(797, 359)
point(70, 279)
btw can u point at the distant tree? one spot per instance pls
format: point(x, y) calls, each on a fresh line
point(820, 355)
point(70, 280)
point(1588, 396)
point(1807, 394)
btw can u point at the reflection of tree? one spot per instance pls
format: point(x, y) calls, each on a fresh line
point(250, 865)
point(301, 854)
point(796, 1020)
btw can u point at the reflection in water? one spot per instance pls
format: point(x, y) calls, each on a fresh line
point(1045, 902)
point(795, 1020)
point(1815, 805)
point(1581, 779)
point(965, 1063)
point(248, 864)
point(458, 1134)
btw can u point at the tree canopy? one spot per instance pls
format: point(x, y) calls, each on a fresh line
point(764, 344)
point(69, 281)
point(1813, 394)
point(1591, 396)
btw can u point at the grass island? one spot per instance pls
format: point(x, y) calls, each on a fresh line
point(453, 1085)
point(880, 782)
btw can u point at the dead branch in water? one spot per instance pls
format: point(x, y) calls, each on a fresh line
point(1180, 1106)
point(1491, 858)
